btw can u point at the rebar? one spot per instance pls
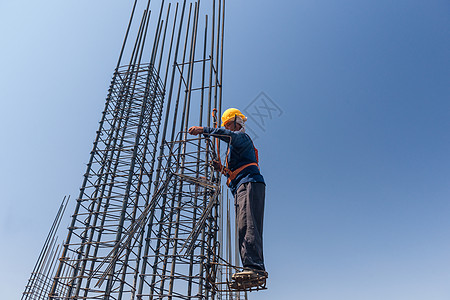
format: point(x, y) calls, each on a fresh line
point(148, 221)
point(39, 283)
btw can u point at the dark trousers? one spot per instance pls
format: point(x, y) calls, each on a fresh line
point(249, 202)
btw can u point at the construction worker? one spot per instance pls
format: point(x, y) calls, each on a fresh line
point(247, 186)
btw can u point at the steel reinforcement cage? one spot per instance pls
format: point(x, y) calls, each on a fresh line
point(173, 78)
point(149, 219)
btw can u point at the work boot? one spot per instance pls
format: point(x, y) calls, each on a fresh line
point(248, 280)
point(250, 274)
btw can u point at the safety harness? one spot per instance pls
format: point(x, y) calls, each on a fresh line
point(232, 174)
point(224, 169)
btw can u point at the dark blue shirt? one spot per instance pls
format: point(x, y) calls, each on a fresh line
point(241, 152)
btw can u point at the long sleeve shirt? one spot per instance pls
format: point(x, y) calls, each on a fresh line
point(241, 152)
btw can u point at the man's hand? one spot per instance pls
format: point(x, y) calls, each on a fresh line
point(195, 130)
point(216, 165)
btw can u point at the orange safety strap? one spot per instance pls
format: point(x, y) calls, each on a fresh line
point(214, 115)
point(232, 174)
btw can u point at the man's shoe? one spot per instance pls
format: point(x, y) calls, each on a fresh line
point(248, 280)
point(250, 274)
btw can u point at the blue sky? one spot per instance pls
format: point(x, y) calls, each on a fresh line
point(357, 164)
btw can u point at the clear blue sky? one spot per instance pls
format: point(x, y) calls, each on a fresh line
point(357, 165)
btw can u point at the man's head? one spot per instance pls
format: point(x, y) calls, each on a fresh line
point(233, 119)
point(233, 125)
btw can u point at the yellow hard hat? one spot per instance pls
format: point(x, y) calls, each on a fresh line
point(230, 113)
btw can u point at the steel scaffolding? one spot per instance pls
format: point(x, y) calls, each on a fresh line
point(149, 221)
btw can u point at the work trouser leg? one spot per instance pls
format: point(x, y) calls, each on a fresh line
point(249, 203)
